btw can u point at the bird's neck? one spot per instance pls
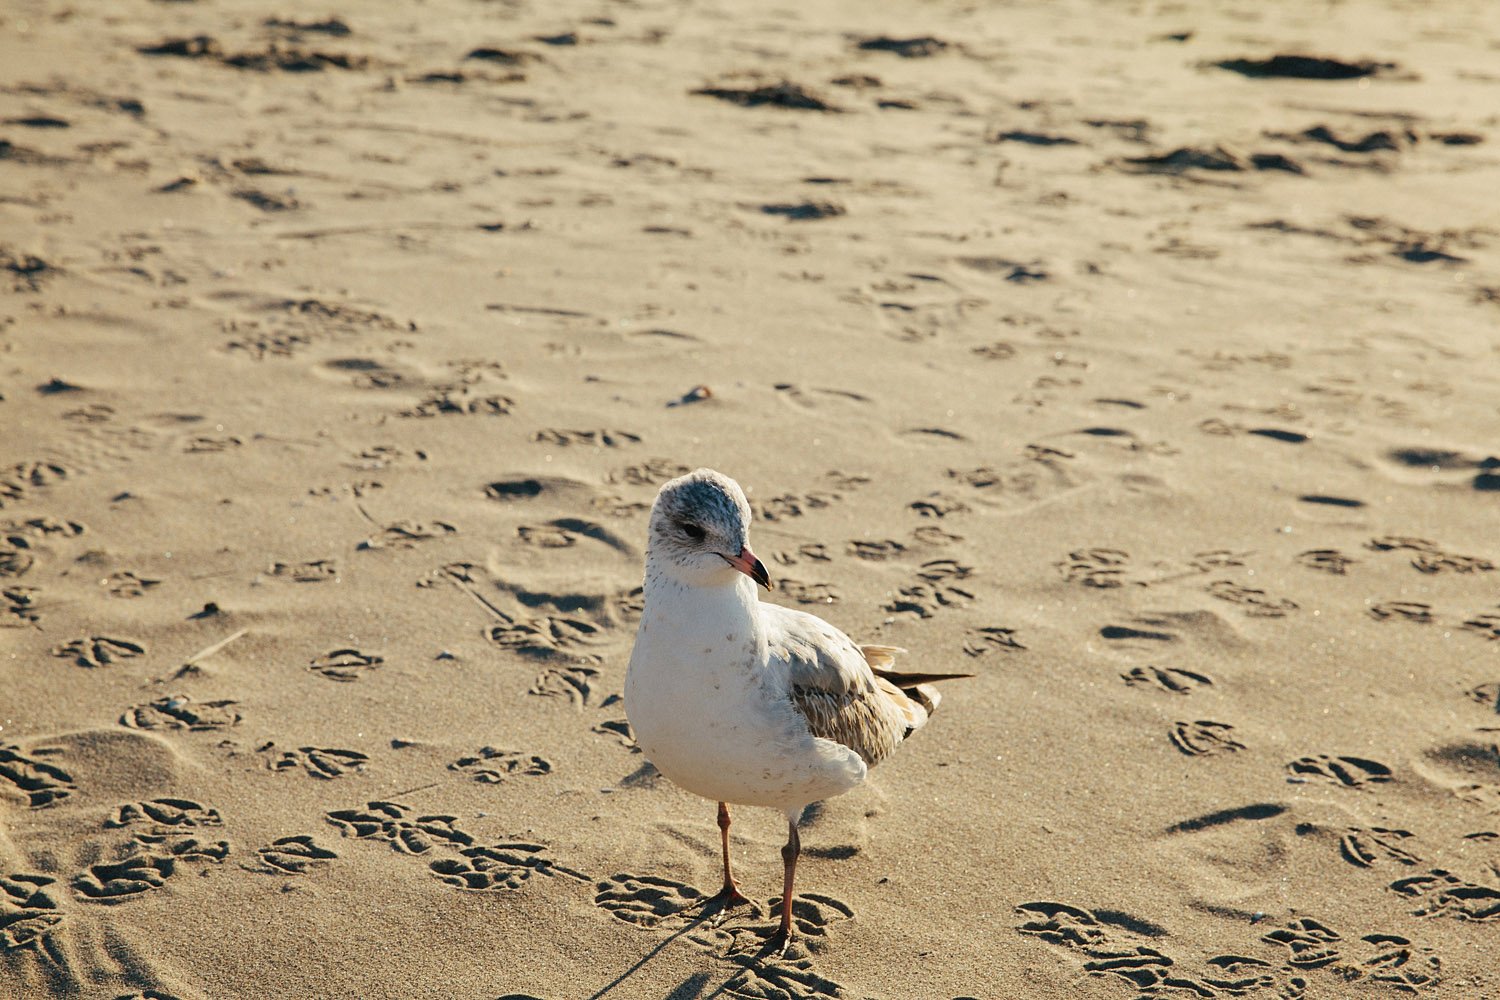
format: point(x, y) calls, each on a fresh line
point(687, 604)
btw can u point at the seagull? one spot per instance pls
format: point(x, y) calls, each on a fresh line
point(750, 703)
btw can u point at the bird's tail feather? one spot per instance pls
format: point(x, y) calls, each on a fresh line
point(914, 685)
point(882, 658)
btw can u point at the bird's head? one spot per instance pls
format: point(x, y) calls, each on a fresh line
point(699, 531)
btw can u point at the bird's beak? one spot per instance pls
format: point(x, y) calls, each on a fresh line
point(752, 567)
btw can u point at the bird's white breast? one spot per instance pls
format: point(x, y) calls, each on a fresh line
point(710, 711)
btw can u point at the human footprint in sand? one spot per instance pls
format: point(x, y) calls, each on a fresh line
point(751, 703)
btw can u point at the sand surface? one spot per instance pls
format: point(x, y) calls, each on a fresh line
point(1089, 347)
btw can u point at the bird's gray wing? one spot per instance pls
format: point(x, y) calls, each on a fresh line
point(832, 684)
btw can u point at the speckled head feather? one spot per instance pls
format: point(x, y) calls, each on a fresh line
point(697, 519)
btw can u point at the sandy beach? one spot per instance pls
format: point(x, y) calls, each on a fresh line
point(1141, 359)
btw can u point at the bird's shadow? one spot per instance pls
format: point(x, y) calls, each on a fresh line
point(711, 916)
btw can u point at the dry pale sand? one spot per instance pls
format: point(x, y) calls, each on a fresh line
point(1090, 347)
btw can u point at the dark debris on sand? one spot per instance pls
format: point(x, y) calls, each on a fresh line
point(1033, 138)
point(272, 58)
point(1385, 140)
point(906, 48)
point(25, 271)
point(1299, 67)
point(504, 57)
point(805, 210)
point(1216, 158)
point(295, 60)
point(778, 95)
point(331, 26)
point(197, 47)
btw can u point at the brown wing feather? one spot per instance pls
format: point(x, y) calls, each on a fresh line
point(871, 723)
point(845, 691)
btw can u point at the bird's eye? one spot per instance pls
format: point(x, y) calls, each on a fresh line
point(692, 531)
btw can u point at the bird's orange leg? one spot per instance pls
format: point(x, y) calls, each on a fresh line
point(729, 896)
point(783, 937)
